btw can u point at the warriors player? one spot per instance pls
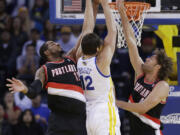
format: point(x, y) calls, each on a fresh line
point(59, 75)
point(94, 70)
point(150, 90)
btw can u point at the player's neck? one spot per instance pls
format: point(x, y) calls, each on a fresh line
point(55, 59)
point(88, 56)
point(150, 77)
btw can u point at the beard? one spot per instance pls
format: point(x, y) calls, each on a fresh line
point(57, 53)
point(146, 68)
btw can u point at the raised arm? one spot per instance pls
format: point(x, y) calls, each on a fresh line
point(88, 27)
point(31, 91)
point(105, 56)
point(135, 59)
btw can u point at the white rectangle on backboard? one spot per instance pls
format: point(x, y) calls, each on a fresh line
point(157, 7)
point(58, 8)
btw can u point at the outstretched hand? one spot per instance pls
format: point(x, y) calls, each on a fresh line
point(15, 85)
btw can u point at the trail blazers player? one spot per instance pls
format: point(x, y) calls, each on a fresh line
point(151, 89)
point(65, 95)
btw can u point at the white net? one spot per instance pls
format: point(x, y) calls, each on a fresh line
point(135, 23)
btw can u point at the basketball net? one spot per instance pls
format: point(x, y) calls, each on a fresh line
point(136, 12)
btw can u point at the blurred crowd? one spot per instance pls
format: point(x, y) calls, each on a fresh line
point(24, 27)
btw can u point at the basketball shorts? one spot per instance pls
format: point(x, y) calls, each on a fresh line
point(67, 124)
point(102, 119)
point(137, 127)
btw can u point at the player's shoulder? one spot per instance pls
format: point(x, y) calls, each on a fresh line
point(162, 85)
point(69, 59)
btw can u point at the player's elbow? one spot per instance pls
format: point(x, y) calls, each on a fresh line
point(143, 110)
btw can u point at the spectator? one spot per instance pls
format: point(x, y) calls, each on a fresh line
point(14, 5)
point(5, 21)
point(122, 73)
point(12, 112)
point(76, 31)
point(35, 40)
point(18, 35)
point(41, 112)
point(27, 125)
point(27, 64)
point(22, 101)
point(100, 29)
point(8, 54)
point(49, 32)
point(66, 41)
point(10, 6)
point(27, 23)
point(39, 13)
point(5, 128)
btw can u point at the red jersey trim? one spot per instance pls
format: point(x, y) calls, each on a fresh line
point(60, 61)
point(65, 86)
point(145, 81)
point(131, 99)
point(157, 121)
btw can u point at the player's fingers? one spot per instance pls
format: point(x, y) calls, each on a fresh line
point(9, 80)
point(11, 89)
point(9, 85)
point(14, 79)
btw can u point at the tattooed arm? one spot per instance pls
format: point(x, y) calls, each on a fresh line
point(40, 75)
point(31, 91)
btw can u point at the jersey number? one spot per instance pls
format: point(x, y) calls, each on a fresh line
point(88, 80)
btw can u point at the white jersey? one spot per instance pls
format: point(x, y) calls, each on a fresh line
point(98, 87)
point(102, 114)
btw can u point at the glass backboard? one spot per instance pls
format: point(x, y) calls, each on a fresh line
point(71, 12)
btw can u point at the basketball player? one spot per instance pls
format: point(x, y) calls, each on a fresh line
point(59, 75)
point(94, 70)
point(150, 89)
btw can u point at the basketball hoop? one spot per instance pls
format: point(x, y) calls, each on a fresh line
point(136, 12)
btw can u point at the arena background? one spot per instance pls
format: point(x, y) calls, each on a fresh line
point(25, 25)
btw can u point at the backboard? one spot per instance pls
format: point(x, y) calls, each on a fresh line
point(71, 12)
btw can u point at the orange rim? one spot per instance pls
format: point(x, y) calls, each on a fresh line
point(134, 9)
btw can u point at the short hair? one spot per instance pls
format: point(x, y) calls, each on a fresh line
point(165, 62)
point(29, 45)
point(34, 30)
point(43, 48)
point(22, 115)
point(90, 43)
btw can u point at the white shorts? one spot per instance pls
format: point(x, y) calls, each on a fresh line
point(102, 119)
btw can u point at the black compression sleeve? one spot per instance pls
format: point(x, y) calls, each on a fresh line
point(34, 89)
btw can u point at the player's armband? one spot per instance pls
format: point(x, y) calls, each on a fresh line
point(34, 89)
